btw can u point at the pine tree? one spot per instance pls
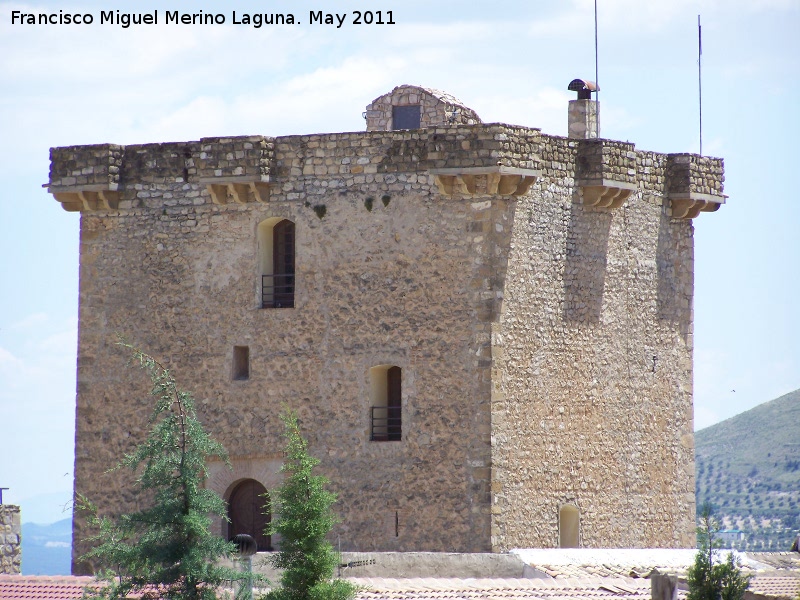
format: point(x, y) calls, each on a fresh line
point(165, 550)
point(304, 520)
point(710, 581)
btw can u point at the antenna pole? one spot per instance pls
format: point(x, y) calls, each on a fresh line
point(596, 79)
point(700, 77)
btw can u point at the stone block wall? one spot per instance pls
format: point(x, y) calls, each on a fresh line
point(545, 345)
point(10, 540)
point(692, 173)
point(84, 166)
point(246, 156)
point(592, 377)
point(491, 145)
point(600, 160)
point(406, 279)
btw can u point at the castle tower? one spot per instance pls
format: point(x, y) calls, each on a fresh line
point(486, 331)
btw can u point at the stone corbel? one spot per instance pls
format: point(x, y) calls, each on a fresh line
point(606, 193)
point(484, 181)
point(240, 190)
point(687, 205)
point(88, 198)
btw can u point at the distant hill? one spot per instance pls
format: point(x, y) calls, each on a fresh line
point(47, 549)
point(748, 468)
point(46, 508)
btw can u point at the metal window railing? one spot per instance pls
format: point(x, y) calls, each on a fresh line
point(277, 291)
point(386, 424)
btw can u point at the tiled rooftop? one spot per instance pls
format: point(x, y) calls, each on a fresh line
point(776, 587)
point(497, 589)
point(57, 587)
point(38, 587)
point(765, 561)
point(636, 562)
point(560, 574)
point(585, 562)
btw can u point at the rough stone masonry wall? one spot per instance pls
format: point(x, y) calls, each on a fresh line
point(393, 274)
point(592, 377)
point(10, 540)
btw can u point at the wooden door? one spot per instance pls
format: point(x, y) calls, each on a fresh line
point(248, 514)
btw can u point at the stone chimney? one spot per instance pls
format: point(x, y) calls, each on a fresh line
point(584, 114)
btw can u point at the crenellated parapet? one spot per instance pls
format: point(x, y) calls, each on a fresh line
point(606, 172)
point(461, 161)
point(84, 178)
point(236, 169)
point(695, 184)
point(487, 160)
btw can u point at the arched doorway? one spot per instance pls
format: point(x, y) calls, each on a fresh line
point(248, 511)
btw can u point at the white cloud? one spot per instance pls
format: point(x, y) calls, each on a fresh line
point(30, 321)
point(37, 395)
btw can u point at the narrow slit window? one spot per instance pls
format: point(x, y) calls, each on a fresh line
point(241, 363)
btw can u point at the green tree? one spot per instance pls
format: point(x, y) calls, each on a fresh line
point(165, 550)
point(710, 580)
point(304, 520)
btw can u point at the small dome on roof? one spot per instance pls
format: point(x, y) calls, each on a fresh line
point(415, 107)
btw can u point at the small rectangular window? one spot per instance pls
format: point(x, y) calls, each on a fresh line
point(241, 362)
point(406, 117)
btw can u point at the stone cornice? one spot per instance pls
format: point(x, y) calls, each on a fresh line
point(484, 181)
point(240, 190)
point(86, 198)
point(687, 205)
point(606, 193)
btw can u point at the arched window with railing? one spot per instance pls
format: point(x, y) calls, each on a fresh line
point(276, 262)
point(386, 390)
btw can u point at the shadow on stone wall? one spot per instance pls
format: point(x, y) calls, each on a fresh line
point(585, 265)
point(674, 296)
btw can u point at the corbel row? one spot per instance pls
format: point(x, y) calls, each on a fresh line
point(237, 190)
point(89, 198)
point(484, 181)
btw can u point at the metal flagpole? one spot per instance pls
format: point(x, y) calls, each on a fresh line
point(700, 78)
point(596, 79)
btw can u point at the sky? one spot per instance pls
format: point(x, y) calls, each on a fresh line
point(510, 61)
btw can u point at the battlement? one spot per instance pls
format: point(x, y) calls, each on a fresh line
point(464, 160)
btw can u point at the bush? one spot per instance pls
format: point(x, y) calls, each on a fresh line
point(708, 580)
point(304, 520)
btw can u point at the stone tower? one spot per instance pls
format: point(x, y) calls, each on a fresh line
point(486, 331)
